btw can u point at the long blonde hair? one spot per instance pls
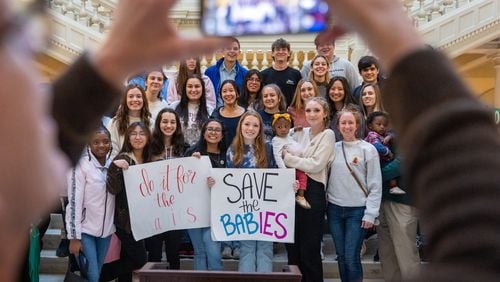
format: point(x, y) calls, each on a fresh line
point(238, 145)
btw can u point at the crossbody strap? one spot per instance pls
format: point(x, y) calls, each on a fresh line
point(352, 172)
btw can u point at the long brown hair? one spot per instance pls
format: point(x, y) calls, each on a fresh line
point(238, 145)
point(297, 102)
point(121, 116)
point(183, 74)
point(127, 146)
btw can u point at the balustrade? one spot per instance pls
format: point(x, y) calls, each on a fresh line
point(96, 15)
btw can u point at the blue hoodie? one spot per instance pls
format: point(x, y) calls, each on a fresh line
point(213, 73)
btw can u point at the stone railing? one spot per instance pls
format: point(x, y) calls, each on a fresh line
point(81, 24)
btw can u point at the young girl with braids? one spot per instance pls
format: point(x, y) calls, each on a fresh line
point(90, 211)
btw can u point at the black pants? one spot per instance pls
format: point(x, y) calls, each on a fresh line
point(132, 257)
point(305, 252)
point(172, 239)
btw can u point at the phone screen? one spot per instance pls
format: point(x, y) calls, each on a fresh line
point(241, 17)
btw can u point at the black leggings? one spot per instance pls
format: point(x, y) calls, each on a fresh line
point(305, 252)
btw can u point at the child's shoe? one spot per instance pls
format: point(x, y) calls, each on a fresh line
point(396, 190)
point(302, 202)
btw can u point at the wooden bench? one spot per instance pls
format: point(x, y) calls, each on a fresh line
point(156, 272)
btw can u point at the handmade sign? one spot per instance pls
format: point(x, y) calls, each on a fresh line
point(168, 195)
point(253, 204)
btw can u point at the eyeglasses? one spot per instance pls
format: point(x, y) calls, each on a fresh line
point(30, 20)
point(216, 130)
point(254, 79)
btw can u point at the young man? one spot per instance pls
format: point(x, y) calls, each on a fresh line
point(338, 66)
point(280, 72)
point(154, 85)
point(227, 67)
point(369, 69)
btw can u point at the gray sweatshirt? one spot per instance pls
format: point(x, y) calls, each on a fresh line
point(342, 187)
point(338, 67)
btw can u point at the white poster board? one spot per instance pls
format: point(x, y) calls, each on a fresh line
point(253, 204)
point(168, 195)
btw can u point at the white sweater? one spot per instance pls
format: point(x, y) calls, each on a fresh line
point(342, 187)
point(318, 153)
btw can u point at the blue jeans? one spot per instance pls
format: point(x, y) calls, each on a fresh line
point(94, 249)
point(256, 256)
point(345, 226)
point(206, 251)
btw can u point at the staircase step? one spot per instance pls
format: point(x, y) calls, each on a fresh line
point(56, 221)
point(51, 264)
point(51, 239)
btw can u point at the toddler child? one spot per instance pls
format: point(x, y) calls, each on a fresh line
point(378, 125)
point(282, 122)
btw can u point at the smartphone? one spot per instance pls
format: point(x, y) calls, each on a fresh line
point(262, 17)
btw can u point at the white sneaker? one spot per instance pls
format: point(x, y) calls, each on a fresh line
point(396, 190)
point(226, 253)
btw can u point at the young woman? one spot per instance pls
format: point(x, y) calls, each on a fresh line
point(354, 194)
point(207, 253)
point(340, 98)
point(154, 84)
point(90, 210)
point(188, 67)
point(192, 108)
point(250, 150)
point(306, 89)
point(317, 141)
point(230, 112)
point(370, 99)
point(252, 86)
point(136, 150)
point(133, 108)
point(167, 143)
point(273, 101)
point(320, 67)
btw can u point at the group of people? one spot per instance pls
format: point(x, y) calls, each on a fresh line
point(240, 118)
point(448, 140)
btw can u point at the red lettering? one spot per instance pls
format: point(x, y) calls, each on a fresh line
point(173, 217)
point(157, 224)
point(164, 200)
point(164, 182)
point(189, 211)
point(146, 187)
point(187, 177)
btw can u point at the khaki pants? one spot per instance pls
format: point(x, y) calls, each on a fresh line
point(397, 234)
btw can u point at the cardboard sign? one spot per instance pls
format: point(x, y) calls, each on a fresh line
point(168, 195)
point(253, 204)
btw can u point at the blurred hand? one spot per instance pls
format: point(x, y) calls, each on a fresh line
point(366, 224)
point(75, 246)
point(210, 182)
point(196, 155)
point(123, 164)
point(383, 25)
point(142, 37)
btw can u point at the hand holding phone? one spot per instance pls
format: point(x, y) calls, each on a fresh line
point(251, 17)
